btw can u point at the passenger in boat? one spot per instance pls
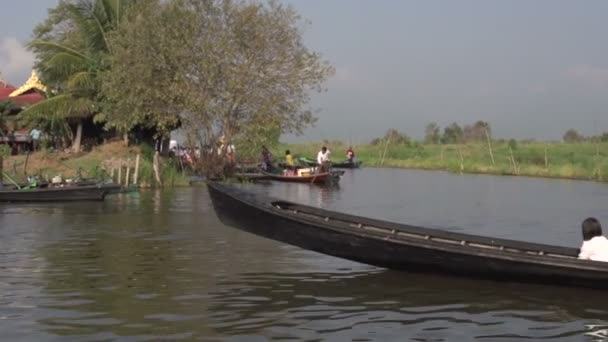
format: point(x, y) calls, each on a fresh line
point(323, 159)
point(266, 160)
point(350, 155)
point(290, 166)
point(595, 245)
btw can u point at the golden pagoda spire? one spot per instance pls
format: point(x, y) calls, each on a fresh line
point(32, 83)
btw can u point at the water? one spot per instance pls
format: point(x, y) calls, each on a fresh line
point(159, 266)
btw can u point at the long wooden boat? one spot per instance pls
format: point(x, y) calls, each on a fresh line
point(338, 165)
point(347, 165)
point(313, 178)
point(95, 192)
point(399, 246)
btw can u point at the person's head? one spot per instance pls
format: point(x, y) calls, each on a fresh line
point(323, 149)
point(287, 152)
point(591, 228)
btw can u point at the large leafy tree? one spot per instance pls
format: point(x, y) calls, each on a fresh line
point(72, 49)
point(218, 67)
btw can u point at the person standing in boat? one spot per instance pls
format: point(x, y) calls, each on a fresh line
point(595, 245)
point(350, 155)
point(266, 159)
point(323, 159)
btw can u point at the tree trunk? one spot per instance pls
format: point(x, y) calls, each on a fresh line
point(164, 146)
point(78, 138)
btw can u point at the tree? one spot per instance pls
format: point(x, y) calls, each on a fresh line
point(432, 133)
point(232, 68)
point(72, 50)
point(573, 136)
point(452, 134)
point(477, 132)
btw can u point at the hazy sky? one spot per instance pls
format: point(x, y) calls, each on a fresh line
point(530, 68)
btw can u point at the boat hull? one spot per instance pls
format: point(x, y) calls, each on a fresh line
point(319, 178)
point(246, 212)
point(59, 194)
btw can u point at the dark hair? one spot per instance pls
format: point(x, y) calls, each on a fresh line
point(591, 228)
point(324, 148)
point(287, 152)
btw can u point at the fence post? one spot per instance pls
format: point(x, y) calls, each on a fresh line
point(120, 172)
point(128, 172)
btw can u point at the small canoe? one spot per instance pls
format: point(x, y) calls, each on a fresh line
point(404, 247)
point(58, 194)
point(312, 178)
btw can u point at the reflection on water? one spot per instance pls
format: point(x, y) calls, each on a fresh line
point(160, 266)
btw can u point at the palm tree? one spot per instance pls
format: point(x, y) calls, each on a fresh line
point(71, 62)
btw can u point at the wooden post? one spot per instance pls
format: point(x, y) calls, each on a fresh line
point(119, 172)
point(27, 158)
point(156, 168)
point(489, 144)
point(136, 169)
point(112, 173)
point(128, 172)
point(1, 171)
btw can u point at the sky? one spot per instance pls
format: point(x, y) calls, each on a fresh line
point(532, 69)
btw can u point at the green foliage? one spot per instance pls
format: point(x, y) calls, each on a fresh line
point(238, 69)
point(512, 144)
point(72, 51)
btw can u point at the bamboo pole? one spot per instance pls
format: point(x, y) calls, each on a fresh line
point(489, 144)
point(461, 160)
point(388, 140)
point(546, 158)
point(128, 172)
point(136, 172)
point(515, 169)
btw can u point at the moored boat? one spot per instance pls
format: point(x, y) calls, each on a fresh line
point(96, 192)
point(404, 247)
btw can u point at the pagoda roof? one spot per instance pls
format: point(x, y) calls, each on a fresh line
point(23, 95)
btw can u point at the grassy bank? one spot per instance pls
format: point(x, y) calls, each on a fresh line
point(92, 164)
point(588, 161)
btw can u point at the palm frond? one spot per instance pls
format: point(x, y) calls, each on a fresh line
point(57, 48)
point(63, 106)
point(83, 79)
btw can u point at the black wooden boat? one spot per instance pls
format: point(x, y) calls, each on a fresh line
point(95, 192)
point(347, 164)
point(404, 247)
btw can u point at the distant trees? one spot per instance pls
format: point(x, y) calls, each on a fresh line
point(432, 133)
point(573, 136)
point(452, 134)
point(394, 137)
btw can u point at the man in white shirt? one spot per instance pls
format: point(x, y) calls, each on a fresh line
point(323, 157)
point(595, 245)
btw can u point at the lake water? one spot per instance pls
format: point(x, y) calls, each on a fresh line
point(159, 266)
